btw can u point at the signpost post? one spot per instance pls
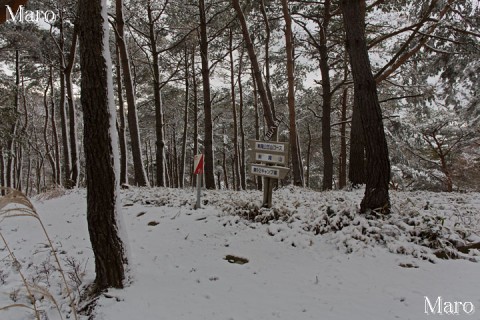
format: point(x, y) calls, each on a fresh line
point(198, 170)
point(274, 155)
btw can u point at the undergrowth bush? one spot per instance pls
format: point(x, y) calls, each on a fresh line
point(406, 231)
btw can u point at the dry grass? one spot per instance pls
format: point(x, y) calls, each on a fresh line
point(16, 204)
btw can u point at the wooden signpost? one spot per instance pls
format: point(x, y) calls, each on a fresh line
point(274, 155)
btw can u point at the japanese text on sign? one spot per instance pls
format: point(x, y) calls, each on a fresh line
point(265, 171)
point(270, 146)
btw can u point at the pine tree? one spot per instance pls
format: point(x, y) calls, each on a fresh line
point(100, 145)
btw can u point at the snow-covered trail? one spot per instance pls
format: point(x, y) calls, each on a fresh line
point(179, 270)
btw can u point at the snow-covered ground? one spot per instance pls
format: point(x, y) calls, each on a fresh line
point(310, 257)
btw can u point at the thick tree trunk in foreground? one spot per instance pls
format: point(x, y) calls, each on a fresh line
point(378, 165)
point(356, 169)
point(100, 145)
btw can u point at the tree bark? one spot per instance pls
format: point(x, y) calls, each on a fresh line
point(236, 164)
point(140, 176)
point(72, 112)
point(257, 123)
point(357, 166)
point(159, 117)
point(309, 150)
point(378, 164)
point(2, 169)
point(18, 167)
point(67, 160)
point(13, 129)
point(327, 101)
point(224, 161)
point(267, 108)
point(185, 121)
point(48, 150)
point(56, 146)
point(207, 102)
point(267, 55)
point(242, 153)
point(174, 157)
point(195, 115)
point(103, 207)
point(342, 163)
point(121, 124)
point(294, 146)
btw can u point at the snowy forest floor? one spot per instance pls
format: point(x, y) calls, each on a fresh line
point(311, 256)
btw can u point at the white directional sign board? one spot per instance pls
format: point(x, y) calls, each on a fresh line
point(273, 155)
point(269, 147)
point(256, 156)
point(269, 171)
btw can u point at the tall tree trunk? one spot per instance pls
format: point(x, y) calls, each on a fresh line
point(67, 160)
point(357, 167)
point(327, 101)
point(342, 163)
point(148, 163)
point(159, 117)
point(121, 124)
point(243, 178)
point(257, 123)
point(267, 55)
point(357, 174)
point(140, 176)
point(56, 146)
point(101, 153)
point(195, 115)
point(65, 139)
point(296, 159)
point(224, 161)
point(267, 108)
point(207, 102)
point(225, 172)
point(72, 112)
point(236, 164)
point(2, 170)
point(378, 164)
point(185, 121)
point(48, 150)
point(13, 129)
point(29, 174)
point(153, 168)
point(18, 166)
point(309, 151)
point(175, 157)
